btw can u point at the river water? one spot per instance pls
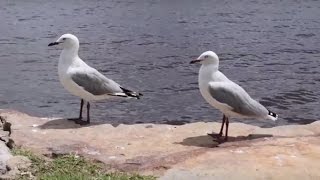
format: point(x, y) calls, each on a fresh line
point(271, 48)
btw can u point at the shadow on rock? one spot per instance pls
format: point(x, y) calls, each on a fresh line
point(207, 141)
point(200, 141)
point(65, 124)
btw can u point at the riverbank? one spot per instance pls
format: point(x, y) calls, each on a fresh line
point(177, 152)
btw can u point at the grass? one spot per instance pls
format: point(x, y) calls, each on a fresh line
point(69, 167)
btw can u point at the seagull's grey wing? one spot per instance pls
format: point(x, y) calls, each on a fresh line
point(95, 83)
point(237, 98)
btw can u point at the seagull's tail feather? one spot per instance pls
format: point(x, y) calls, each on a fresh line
point(129, 93)
point(273, 116)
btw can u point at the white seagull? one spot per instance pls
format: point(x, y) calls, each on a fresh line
point(84, 81)
point(225, 95)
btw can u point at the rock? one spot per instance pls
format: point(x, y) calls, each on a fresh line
point(179, 152)
point(15, 165)
point(19, 163)
point(4, 156)
point(14, 174)
point(6, 126)
point(149, 126)
point(10, 143)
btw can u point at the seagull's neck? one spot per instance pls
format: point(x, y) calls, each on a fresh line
point(69, 54)
point(209, 68)
point(210, 72)
point(70, 51)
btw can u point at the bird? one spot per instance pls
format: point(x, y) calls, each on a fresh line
point(225, 95)
point(84, 81)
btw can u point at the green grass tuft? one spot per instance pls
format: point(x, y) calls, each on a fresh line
point(70, 167)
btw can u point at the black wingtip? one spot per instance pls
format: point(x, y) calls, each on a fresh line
point(272, 114)
point(131, 93)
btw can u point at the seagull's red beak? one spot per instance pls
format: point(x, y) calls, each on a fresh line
point(53, 43)
point(195, 61)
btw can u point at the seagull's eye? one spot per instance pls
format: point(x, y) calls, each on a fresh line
point(206, 56)
point(64, 38)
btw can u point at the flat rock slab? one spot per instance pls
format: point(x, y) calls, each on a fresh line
point(179, 152)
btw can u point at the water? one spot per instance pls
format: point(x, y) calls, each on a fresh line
point(271, 48)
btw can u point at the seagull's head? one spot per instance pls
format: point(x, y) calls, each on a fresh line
point(67, 41)
point(207, 57)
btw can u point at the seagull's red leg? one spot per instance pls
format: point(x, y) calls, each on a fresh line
point(88, 113)
point(214, 135)
point(80, 114)
point(88, 116)
point(81, 105)
point(221, 129)
point(227, 128)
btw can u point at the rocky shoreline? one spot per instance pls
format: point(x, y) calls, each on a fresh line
point(10, 165)
point(175, 152)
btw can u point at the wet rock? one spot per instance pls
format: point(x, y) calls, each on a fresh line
point(10, 143)
point(6, 126)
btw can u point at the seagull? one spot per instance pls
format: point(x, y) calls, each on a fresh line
point(225, 95)
point(84, 81)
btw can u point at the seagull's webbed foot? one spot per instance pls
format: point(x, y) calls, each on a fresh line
point(74, 119)
point(215, 135)
point(80, 122)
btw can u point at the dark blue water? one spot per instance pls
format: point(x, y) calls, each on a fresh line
point(271, 48)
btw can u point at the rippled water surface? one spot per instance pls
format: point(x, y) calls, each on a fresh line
point(271, 48)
